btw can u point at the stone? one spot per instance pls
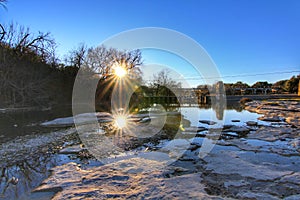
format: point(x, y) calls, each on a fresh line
point(295, 143)
point(230, 134)
point(238, 183)
point(59, 122)
point(112, 181)
point(72, 150)
point(232, 162)
point(241, 130)
point(235, 120)
point(270, 118)
point(201, 128)
point(227, 126)
point(208, 122)
point(251, 123)
point(293, 197)
point(291, 178)
point(294, 121)
point(191, 129)
point(145, 120)
point(84, 118)
point(254, 195)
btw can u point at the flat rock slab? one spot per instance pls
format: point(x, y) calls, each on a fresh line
point(231, 162)
point(253, 195)
point(277, 111)
point(134, 178)
point(83, 118)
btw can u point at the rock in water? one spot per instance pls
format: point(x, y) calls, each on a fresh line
point(251, 123)
point(72, 150)
point(270, 118)
point(209, 122)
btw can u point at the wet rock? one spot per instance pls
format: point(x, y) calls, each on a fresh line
point(31, 146)
point(254, 195)
point(84, 118)
point(238, 183)
point(208, 122)
point(229, 163)
point(251, 123)
point(176, 147)
point(293, 197)
point(230, 134)
point(241, 130)
point(194, 129)
point(191, 129)
point(71, 149)
point(180, 169)
point(112, 180)
point(295, 143)
point(59, 122)
point(201, 128)
point(105, 120)
point(291, 178)
point(277, 111)
point(194, 147)
point(227, 126)
point(145, 120)
point(293, 120)
point(270, 118)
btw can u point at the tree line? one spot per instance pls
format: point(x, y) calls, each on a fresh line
point(32, 75)
point(280, 87)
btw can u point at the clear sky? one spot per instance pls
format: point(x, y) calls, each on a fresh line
point(243, 37)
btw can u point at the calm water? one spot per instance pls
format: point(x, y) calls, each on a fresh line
point(26, 123)
point(194, 114)
point(15, 124)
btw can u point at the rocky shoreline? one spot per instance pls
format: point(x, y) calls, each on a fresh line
point(257, 160)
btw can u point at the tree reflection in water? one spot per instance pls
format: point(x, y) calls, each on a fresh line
point(18, 180)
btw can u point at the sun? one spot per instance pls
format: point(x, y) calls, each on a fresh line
point(120, 72)
point(120, 121)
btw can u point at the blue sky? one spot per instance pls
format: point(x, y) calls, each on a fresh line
point(241, 36)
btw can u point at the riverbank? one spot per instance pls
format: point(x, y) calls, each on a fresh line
point(250, 159)
point(261, 163)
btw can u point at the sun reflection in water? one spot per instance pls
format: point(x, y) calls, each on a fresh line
point(120, 121)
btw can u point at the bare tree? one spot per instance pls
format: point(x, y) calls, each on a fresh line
point(101, 60)
point(25, 42)
point(25, 61)
point(77, 56)
point(2, 31)
point(163, 83)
